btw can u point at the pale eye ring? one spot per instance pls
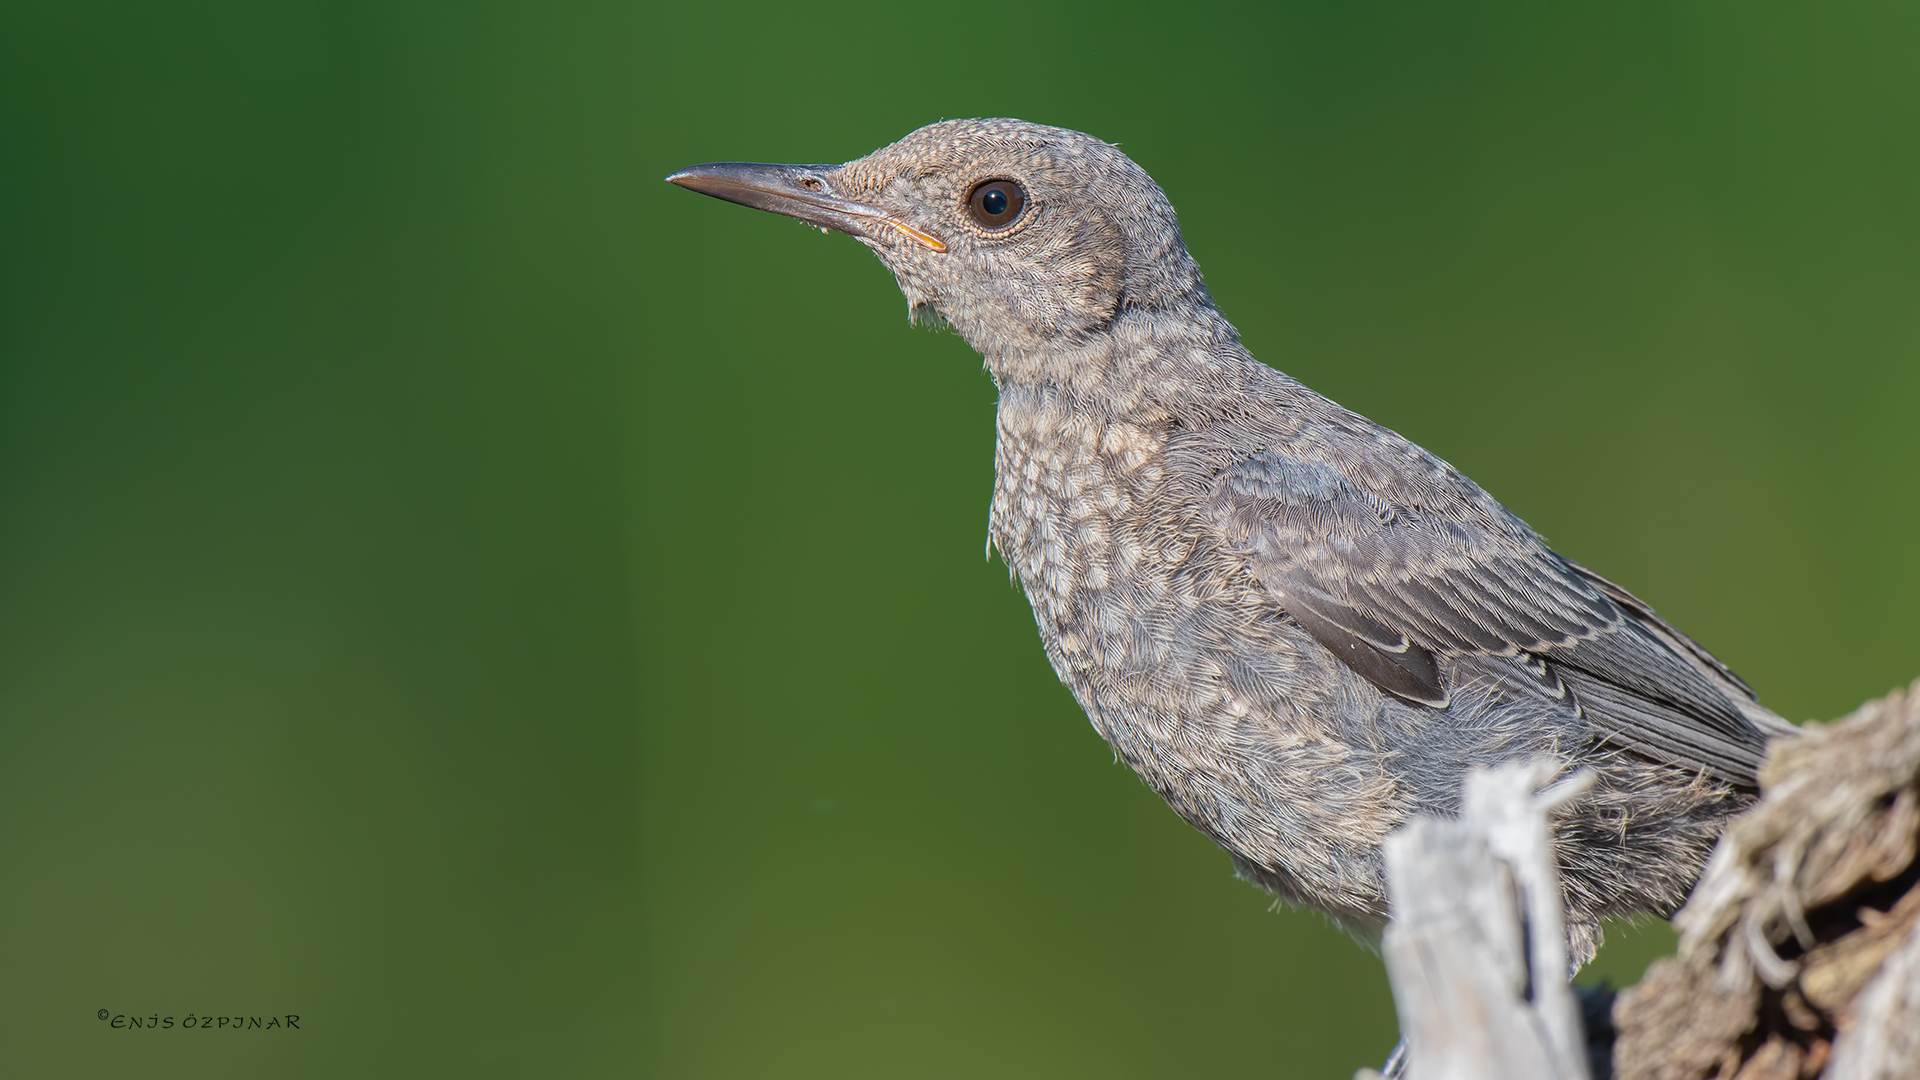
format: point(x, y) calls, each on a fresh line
point(996, 203)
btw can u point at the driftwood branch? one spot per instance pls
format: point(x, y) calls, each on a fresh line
point(1476, 951)
point(1800, 948)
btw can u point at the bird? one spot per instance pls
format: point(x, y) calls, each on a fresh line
point(1300, 628)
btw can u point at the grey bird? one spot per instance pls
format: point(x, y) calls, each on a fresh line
point(1296, 625)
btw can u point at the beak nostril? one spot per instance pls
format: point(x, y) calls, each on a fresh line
point(811, 183)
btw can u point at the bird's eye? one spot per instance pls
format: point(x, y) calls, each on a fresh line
point(995, 204)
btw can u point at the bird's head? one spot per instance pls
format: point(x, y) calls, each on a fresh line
point(1015, 234)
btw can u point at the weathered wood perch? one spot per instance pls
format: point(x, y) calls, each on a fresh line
point(1799, 952)
point(1476, 950)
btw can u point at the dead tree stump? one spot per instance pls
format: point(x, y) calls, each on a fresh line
point(1800, 948)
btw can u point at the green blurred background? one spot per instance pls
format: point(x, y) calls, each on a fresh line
point(530, 620)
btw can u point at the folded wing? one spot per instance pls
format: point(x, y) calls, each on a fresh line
point(1397, 582)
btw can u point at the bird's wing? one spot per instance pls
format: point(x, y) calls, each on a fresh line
point(1395, 581)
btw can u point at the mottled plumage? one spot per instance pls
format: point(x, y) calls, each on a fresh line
point(1299, 627)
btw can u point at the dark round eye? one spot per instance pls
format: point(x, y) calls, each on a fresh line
point(994, 204)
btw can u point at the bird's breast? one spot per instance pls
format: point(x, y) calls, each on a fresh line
point(1179, 658)
point(1077, 515)
point(1135, 603)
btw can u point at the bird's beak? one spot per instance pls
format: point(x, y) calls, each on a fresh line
point(798, 191)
